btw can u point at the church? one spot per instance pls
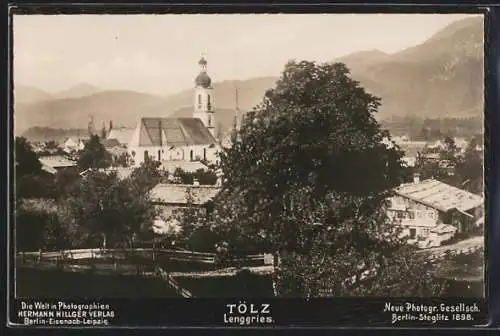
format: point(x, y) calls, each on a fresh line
point(184, 139)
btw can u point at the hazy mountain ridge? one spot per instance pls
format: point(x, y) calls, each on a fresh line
point(42, 134)
point(78, 91)
point(24, 94)
point(442, 77)
point(124, 107)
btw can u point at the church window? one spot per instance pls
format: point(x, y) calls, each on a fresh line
point(191, 155)
point(209, 121)
point(199, 99)
point(159, 155)
point(146, 156)
point(205, 154)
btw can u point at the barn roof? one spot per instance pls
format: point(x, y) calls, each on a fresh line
point(439, 195)
point(177, 193)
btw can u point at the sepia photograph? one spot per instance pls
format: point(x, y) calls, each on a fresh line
point(256, 156)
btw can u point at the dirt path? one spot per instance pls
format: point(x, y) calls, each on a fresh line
point(461, 246)
point(224, 272)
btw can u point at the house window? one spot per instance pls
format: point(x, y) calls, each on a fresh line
point(204, 154)
point(411, 215)
point(159, 155)
point(413, 233)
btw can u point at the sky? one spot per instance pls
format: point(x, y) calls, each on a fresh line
point(159, 53)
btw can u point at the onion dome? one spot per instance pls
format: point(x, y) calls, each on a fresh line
point(203, 80)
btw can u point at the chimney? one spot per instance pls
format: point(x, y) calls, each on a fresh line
point(196, 182)
point(416, 178)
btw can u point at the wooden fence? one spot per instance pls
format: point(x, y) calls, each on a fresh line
point(437, 256)
point(171, 281)
point(117, 254)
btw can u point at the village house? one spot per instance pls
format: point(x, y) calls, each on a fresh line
point(181, 139)
point(71, 145)
point(169, 198)
point(121, 172)
point(187, 166)
point(411, 151)
point(56, 163)
point(123, 135)
point(114, 147)
point(430, 212)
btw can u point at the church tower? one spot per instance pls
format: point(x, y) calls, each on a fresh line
point(203, 98)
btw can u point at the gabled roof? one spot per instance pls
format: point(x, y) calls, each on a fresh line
point(177, 193)
point(56, 161)
point(110, 143)
point(121, 172)
point(174, 132)
point(439, 195)
point(123, 135)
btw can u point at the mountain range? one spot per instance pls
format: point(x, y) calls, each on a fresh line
point(441, 77)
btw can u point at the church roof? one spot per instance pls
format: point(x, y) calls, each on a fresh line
point(176, 132)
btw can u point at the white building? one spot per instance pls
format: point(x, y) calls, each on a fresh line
point(73, 145)
point(430, 212)
point(122, 134)
point(185, 139)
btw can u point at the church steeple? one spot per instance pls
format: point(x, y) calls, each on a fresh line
point(203, 104)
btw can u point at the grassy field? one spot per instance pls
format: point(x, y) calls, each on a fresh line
point(31, 282)
point(52, 283)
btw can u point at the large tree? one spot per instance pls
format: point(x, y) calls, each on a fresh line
point(470, 168)
point(25, 158)
point(307, 178)
point(30, 181)
point(94, 155)
point(111, 212)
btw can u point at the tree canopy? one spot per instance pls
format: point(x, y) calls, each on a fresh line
point(111, 211)
point(309, 168)
point(26, 159)
point(30, 181)
point(94, 155)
